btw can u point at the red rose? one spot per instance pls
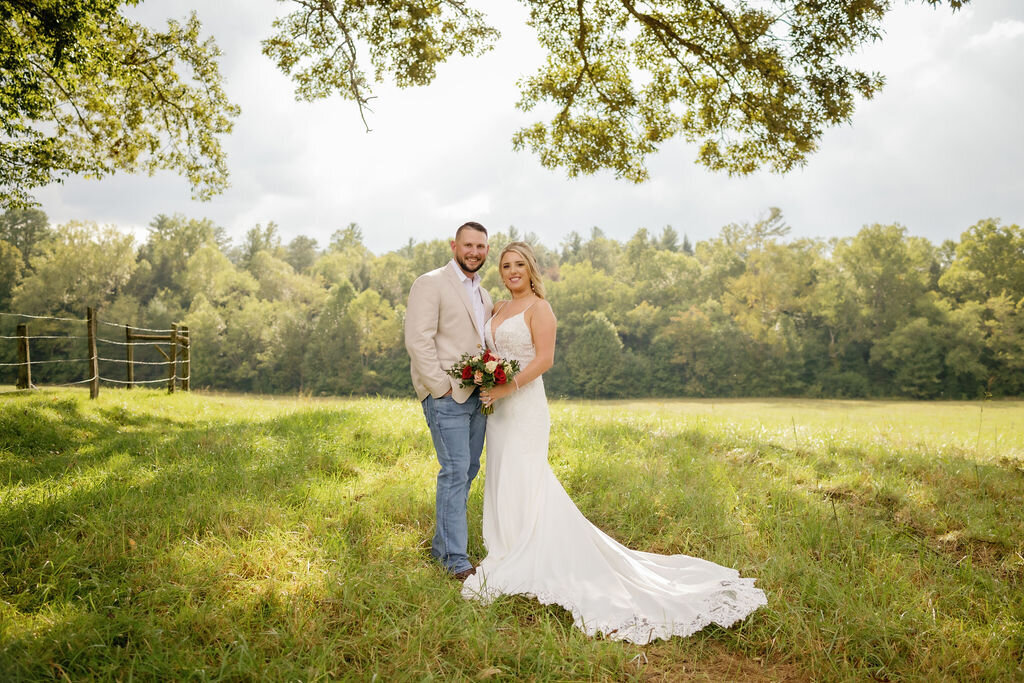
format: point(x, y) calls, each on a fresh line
point(467, 372)
point(499, 375)
point(488, 356)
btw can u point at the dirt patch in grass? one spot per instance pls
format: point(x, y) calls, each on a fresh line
point(996, 557)
point(715, 663)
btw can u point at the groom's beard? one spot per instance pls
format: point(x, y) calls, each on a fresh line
point(468, 268)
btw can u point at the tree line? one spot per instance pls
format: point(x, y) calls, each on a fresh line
point(749, 312)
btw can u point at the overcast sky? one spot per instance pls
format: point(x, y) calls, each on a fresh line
point(939, 149)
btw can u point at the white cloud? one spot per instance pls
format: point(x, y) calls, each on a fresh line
point(1003, 31)
point(475, 205)
point(937, 150)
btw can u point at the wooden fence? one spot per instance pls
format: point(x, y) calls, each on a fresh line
point(177, 356)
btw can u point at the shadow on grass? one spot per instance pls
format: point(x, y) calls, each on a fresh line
point(123, 530)
point(74, 474)
point(292, 545)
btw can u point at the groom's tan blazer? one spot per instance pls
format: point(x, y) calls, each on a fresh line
point(439, 328)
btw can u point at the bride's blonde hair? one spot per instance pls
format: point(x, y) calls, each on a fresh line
point(526, 251)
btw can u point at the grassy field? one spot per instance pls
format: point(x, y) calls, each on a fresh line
point(208, 537)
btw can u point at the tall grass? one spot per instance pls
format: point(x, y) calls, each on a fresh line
point(223, 537)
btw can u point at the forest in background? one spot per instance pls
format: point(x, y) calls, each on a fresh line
point(749, 312)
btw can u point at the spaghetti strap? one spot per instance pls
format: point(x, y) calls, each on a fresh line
point(501, 306)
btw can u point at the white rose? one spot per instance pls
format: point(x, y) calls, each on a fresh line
point(491, 365)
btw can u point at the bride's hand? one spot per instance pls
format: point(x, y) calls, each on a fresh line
point(496, 393)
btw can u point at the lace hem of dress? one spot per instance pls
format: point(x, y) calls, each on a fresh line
point(735, 600)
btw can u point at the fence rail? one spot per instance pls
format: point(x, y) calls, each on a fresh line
point(176, 358)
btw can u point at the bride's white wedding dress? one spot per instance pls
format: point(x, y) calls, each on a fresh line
point(539, 544)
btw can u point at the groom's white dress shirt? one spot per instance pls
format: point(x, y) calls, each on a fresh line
point(472, 287)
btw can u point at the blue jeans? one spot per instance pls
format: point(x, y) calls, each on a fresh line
point(458, 433)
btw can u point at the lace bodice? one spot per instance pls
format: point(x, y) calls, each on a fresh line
point(527, 405)
point(512, 339)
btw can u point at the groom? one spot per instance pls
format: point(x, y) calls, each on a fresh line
point(445, 318)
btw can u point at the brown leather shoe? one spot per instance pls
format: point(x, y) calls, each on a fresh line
point(464, 574)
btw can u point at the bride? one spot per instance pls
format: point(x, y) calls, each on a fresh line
point(538, 543)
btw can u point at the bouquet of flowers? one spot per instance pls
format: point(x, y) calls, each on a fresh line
point(484, 370)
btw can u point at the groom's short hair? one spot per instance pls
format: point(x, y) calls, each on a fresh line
point(470, 225)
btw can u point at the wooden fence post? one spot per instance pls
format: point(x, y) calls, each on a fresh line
point(94, 363)
point(25, 369)
point(186, 358)
point(173, 359)
point(130, 355)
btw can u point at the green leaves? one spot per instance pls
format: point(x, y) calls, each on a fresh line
point(989, 262)
point(319, 44)
point(750, 87)
point(87, 91)
point(79, 265)
point(752, 84)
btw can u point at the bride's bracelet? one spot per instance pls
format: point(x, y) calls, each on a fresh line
point(516, 382)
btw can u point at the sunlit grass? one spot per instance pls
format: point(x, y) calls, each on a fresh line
point(230, 537)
